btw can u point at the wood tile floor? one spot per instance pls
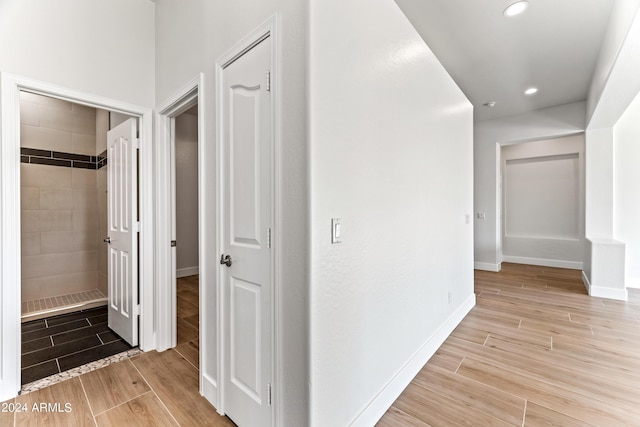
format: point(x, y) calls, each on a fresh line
point(152, 389)
point(535, 351)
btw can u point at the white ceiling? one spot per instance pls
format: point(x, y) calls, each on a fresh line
point(553, 45)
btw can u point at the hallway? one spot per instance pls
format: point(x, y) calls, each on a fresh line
point(536, 350)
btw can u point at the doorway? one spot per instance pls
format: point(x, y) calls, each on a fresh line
point(10, 198)
point(67, 218)
point(186, 201)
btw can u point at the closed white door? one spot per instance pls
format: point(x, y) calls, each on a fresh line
point(246, 258)
point(122, 185)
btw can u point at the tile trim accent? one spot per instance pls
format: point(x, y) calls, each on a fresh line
point(57, 158)
point(75, 372)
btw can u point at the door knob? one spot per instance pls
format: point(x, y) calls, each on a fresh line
point(107, 240)
point(226, 260)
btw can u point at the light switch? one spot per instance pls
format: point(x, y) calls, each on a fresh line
point(336, 230)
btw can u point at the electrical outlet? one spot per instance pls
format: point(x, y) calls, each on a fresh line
point(449, 297)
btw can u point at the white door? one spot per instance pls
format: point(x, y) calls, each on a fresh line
point(122, 190)
point(247, 212)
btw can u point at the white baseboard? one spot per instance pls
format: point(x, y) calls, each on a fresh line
point(376, 408)
point(603, 292)
point(574, 265)
point(210, 390)
point(189, 271)
point(586, 282)
point(486, 266)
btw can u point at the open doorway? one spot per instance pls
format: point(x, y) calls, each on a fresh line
point(64, 233)
point(185, 176)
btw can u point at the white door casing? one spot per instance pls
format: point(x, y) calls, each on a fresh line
point(123, 230)
point(10, 276)
point(247, 212)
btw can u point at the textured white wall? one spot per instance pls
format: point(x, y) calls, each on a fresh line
point(623, 15)
point(543, 193)
point(626, 194)
point(186, 155)
point(391, 154)
point(489, 135)
point(190, 35)
point(103, 48)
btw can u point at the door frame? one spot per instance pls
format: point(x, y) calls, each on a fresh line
point(10, 259)
point(269, 28)
point(192, 93)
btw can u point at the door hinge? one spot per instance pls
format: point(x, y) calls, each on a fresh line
point(268, 80)
point(269, 394)
point(174, 243)
point(136, 227)
point(268, 238)
point(137, 310)
point(137, 144)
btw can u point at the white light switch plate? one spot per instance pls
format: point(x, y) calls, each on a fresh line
point(336, 230)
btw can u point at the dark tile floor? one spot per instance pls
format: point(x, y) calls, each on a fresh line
point(59, 343)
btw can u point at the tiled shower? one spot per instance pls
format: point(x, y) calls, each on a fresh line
point(63, 206)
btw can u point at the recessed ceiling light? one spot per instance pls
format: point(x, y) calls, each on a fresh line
point(490, 104)
point(531, 91)
point(516, 8)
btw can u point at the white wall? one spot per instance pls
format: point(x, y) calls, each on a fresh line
point(489, 135)
point(391, 154)
point(190, 35)
point(186, 156)
point(626, 193)
point(623, 14)
point(543, 202)
point(103, 48)
point(615, 85)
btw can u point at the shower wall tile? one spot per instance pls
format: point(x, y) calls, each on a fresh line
point(55, 242)
point(59, 204)
point(45, 139)
point(55, 118)
point(83, 109)
point(44, 100)
point(30, 197)
point(44, 176)
point(83, 144)
point(44, 265)
point(83, 178)
point(103, 282)
point(85, 199)
point(56, 198)
point(30, 243)
point(84, 122)
point(83, 220)
point(102, 126)
point(50, 286)
point(30, 221)
point(56, 220)
point(29, 113)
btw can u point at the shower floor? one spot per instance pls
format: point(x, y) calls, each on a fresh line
point(45, 307)
point(59, 343)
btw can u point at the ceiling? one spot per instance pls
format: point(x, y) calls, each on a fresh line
point(553, 46)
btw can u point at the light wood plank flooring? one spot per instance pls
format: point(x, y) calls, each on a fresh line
point(535, 351)
point(152, 389)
